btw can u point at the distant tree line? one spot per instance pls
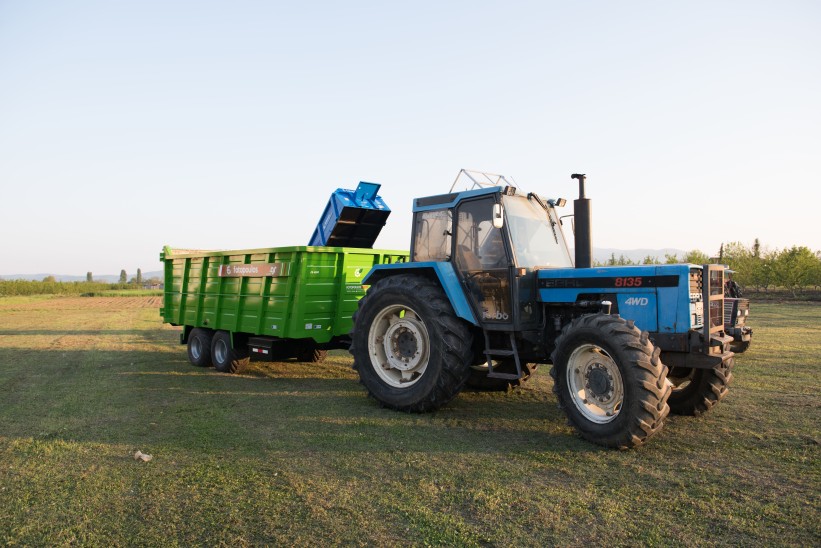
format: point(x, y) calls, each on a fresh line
point(695, 257)
point(50, 286)
point(795, 268)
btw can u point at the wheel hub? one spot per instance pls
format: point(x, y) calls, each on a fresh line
point(599, 382)
point(404, 344)
point(196, 348)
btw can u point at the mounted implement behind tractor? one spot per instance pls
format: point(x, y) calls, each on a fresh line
point(490, 291)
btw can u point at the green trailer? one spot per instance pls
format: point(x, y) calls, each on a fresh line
point(274, 303)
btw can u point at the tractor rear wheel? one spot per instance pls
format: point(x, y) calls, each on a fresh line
point(199, 347)
point(610, 381)
point(226, 358)
point(411, 350)
point(478, 379)
point(696, 391)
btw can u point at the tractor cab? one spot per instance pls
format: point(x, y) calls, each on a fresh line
point(495, 237)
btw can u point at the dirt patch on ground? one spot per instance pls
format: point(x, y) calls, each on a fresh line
point(83, 303)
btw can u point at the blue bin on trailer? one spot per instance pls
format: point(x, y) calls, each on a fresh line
point(352, 218)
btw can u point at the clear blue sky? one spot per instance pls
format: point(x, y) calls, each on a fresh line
point(125, 126)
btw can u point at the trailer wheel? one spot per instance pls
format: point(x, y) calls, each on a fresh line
point(610, 381)
point(696, 391)
point(199, 347)
point(226, 358)
point(311, 354)
point(739, 347)
point(478, 379)
point(411, 350)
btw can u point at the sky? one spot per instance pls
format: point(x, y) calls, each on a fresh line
point(126, 126)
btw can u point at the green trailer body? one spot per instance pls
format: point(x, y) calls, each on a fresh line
point(283, 293)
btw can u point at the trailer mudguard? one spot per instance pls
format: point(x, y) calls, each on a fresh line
point(442, 271)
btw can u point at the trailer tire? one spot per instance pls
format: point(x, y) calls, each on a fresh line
point(199, 347)
point(609, 380)
point(696, 391)
point(312, 355)
point(739, 347)
point(478, 379)
point(226, 358)
point(411, 350)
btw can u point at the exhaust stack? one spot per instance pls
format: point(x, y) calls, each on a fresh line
point(582, 221)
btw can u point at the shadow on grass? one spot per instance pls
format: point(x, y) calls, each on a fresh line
point(156, 399)
point(79, 332)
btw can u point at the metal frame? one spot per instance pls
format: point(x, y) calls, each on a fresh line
point(480, 179)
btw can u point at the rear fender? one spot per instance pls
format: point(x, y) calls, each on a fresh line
point(442, 272)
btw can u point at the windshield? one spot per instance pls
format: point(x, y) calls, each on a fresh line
point(536, 234)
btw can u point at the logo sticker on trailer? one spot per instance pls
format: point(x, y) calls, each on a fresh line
point(272, 270)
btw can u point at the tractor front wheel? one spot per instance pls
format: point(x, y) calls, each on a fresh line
point(411, 350)
point(696, 391)
point(610, 381)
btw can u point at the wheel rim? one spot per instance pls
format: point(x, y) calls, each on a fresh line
point(220, 351)
point(196, 348)
point(595, 384)
point(399, 346)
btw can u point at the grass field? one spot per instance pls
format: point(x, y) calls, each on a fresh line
point(296, 454)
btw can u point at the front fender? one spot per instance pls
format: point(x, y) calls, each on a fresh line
point(441, 271)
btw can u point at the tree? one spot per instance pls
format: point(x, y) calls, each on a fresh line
point(49, 279)
point(696, 256)
point(123, 277)
point(89, 277)
point(763, 273)
point(794, 268)
point(670, 259)
point(650, 260)
point(740, 258)
point(815, 272)
point(139, 276)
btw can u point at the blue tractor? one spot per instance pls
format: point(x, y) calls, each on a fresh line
point(491, 291)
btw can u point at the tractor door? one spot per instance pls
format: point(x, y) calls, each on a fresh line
point(482, 259)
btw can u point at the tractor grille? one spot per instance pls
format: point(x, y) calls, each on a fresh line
point(696, 280)
point(696, 298)
point(740, 308)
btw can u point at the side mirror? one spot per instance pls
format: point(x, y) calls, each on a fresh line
point(498, 217)
point(572, 221)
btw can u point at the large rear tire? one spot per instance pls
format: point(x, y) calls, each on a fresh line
point(199, 347)
point(696, 391)
point(411, 350)
point(610, 381)
point(226, 358)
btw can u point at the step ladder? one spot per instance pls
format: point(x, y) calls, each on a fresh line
point(491, 353)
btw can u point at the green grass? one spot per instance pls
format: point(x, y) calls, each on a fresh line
point(294, 453)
